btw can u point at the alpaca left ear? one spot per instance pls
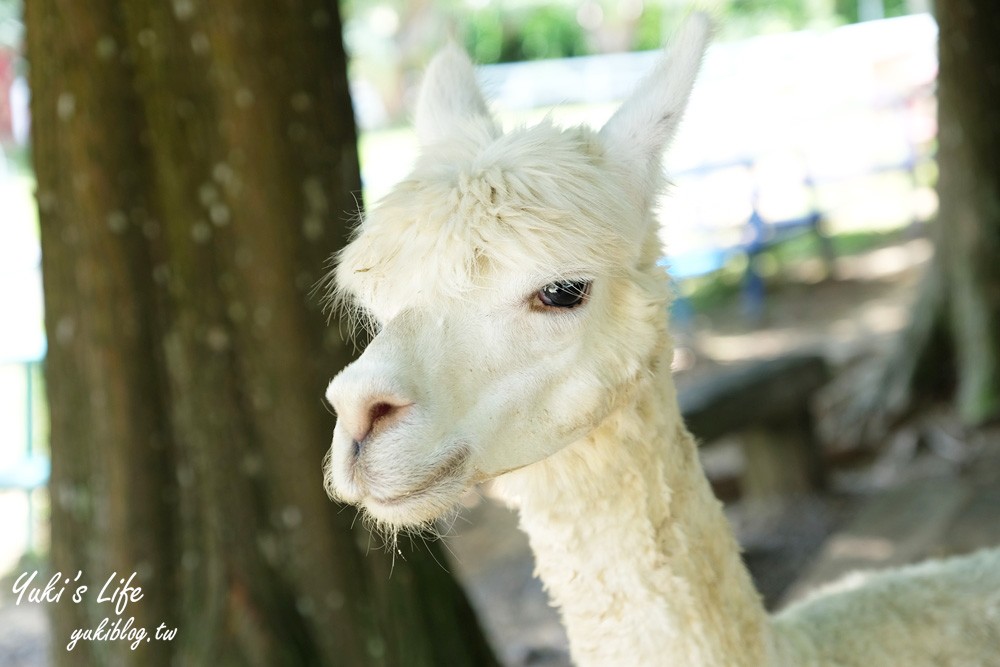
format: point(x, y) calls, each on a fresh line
point(448, 94)
point(643, 126)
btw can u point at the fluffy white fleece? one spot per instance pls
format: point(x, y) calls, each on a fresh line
point(573, 411)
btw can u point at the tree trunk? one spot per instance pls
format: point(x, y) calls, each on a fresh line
point(952, 343)
point(195, 162)
point(968, 228)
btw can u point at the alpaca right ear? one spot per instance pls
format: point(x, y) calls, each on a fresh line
point(646, 122)
point(448, 94)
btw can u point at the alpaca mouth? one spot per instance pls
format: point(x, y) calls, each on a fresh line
point(452, 470)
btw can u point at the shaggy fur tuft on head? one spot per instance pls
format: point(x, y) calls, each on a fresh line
point(478, 208)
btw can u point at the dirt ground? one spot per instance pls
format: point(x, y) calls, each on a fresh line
point(840, 319)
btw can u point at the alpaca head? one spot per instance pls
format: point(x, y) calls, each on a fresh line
point(512, 284)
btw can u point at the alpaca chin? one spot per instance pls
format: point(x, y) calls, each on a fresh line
point(415, 509)
point(394, 494)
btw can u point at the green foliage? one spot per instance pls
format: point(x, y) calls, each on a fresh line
point(649, 28)
point(18, 159)
point(493, 35)
point(848, 9)
point(795, 12)
point(499, 32)
point(11, 28)
point(747, 18)
point(552, 32)
point(484, 35)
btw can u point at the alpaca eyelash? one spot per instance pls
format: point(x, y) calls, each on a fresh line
point(561, 295)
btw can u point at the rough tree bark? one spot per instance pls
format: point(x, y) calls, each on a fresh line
point(952, 343)
point(195, 162)
point(968, 229)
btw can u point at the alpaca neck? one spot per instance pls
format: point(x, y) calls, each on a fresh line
point(634, 548)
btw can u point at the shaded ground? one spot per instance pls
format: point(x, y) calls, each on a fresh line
point(869, 301)
point(23, 635)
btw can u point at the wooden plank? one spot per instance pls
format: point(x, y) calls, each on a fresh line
point(783, 460)
point(760, 393)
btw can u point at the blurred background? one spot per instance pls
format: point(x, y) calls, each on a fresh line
point(798, 227)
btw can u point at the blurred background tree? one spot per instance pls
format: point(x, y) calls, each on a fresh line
point(968, 229)
point(194, 165)
point(953, 341)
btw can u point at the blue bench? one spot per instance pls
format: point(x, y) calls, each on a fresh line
point(756, 236)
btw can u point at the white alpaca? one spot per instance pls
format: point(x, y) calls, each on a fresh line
point(521, 337)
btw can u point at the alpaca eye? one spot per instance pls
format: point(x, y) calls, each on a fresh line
point(564, 293)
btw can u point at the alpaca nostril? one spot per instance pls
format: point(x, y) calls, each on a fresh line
point(379, 411)
point(378, 414)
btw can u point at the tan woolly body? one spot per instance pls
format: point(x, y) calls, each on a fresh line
point(474, 374)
